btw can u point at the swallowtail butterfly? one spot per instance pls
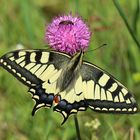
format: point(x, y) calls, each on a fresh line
point(67, 83)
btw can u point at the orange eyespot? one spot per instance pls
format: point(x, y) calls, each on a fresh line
point(56, 99)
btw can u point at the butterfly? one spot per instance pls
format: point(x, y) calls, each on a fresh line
point(68, 83)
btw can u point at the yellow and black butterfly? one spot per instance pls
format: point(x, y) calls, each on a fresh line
point(67, 83)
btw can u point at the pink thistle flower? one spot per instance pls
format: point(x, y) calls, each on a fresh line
point(68, 34)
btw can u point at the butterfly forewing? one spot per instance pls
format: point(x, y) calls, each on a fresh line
point(38, 69)
point(15, 63)
point(104, 93)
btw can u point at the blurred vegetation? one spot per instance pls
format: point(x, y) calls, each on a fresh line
point(24, 22)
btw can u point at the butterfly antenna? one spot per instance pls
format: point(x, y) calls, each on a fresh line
point(103, 45)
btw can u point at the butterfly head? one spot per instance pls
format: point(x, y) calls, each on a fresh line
point(78, 57)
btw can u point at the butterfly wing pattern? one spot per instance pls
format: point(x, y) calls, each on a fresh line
point(34, 68)
point(97, 90)
point(45, 72)
point(108, 94)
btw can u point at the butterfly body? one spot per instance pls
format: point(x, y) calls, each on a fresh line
point(67, 83)
point(70, 73)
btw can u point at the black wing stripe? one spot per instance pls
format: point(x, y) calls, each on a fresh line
point(38, 56)
point(116, 92)
point(109, 84)
point(20, 73)
point(127, 96)
point(27, 58)
point(16, 55)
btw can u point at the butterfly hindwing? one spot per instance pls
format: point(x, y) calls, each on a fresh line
point(104, 93)
point(72, 101)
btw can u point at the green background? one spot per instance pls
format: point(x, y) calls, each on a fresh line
point(24, 22)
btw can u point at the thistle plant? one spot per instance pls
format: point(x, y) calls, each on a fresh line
point(70, 35)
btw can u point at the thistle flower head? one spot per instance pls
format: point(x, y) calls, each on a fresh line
point(68, 34)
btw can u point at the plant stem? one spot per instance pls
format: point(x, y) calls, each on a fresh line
point(77, 127)
point(117, 5)
point(77, 6)
point(136, 16)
